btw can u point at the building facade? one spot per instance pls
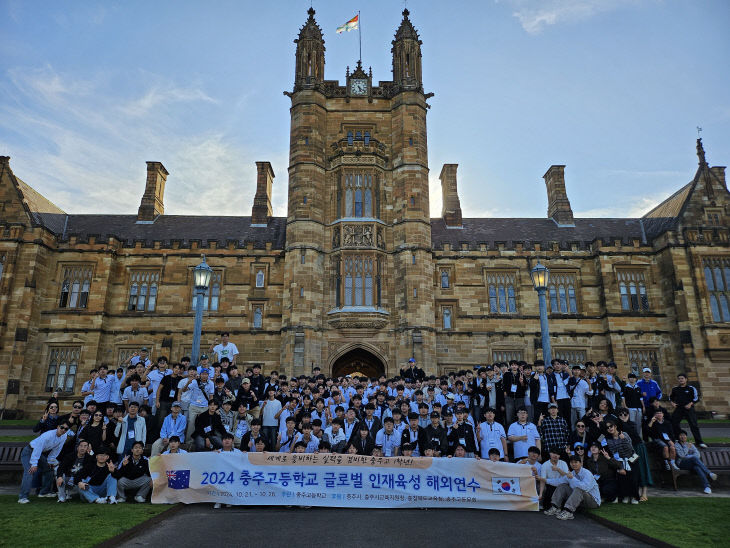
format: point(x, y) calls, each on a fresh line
point(358, 276)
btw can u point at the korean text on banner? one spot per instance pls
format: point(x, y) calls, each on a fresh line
point(341, 480)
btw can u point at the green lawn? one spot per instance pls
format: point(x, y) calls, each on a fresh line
point(18, 422)
point(714, 421)
point(18, 438)
point(44, 522)
point(709, 439)
point(681, 521)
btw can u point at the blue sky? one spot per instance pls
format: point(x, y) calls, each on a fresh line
point(614, 89)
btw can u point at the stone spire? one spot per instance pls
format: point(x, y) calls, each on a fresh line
point(407, 56)
point(309, 69)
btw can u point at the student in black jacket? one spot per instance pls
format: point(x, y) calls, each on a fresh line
point(683, 398)
point(134, 474)
point(414, 435)
point(363, 442)
point(208, 429)
point(95, 480)
point(435, 436)
point(69, 467)
point(463, 434)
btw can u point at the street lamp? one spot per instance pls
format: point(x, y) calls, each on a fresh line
point(201, 282)
point(540, 277)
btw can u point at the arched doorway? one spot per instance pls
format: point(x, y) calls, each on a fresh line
point(358, 362)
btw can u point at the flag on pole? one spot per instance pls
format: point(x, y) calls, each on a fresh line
point(350, 25)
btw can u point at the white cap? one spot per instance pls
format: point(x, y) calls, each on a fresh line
point(646, 370)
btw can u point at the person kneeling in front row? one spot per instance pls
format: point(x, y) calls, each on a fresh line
point(134, 474)
point(577, 488)
point(95, 480)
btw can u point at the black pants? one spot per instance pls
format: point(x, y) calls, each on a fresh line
point(689, 414)
point(608, 489)
point(628, 485)
point(547, 495)
point(564, 410)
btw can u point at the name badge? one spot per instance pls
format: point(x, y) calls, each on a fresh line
point(227, 427)
point(615, 456)
point(514, 388)
point(172, 393)
point(603, 443)
point(665, 436)
point(597, 476)
point(207, 429)
point(130, 435)
point(462, 441)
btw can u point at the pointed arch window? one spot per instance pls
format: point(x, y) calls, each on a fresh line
point(445, 281)
point(143, 291)
point(632, 290)
point(63, 363)
point(562, 293)
point(359, 200)
point(75, 287)
point(717, 280)
point(362, 280)
point(501, 292)
point(258, 316)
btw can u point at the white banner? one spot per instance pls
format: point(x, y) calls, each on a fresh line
point(341, 481)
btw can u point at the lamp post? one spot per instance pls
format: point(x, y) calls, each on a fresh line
point(540, 278)
point(201, 281)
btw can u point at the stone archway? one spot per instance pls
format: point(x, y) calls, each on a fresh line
point(358, 361)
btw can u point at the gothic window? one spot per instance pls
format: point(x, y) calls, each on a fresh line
point(445, 282)
point(573, 356)
point(258, 316)
point(562, 293)
point(211, 299)
point(362, 283)
point(143, 290)
point(63, 363)
point(506, 355)
point(260, 277)
point(367, 138)
point(446, 315)
point(359, 189)
point(717, 278)
point(501, 292)
point(713, 215)
point(75, 287)
point(299, 349)
point(349, 138)
point(632, 289)
point(639, 358)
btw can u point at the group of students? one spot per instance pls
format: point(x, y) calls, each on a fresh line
point(581, 429)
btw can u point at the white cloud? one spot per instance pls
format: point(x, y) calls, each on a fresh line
point(83, 145)
point(535, 15)
point(636, 206)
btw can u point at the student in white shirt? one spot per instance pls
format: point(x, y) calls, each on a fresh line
point(224, 349)
point(523, 435)
point(492, 435)
point(550, 477)
point(39, 456)
point(388, 439)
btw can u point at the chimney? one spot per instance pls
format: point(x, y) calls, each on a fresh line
point(451, 207)
point(261, 211)
point(558, 203)
point(154, 192)
point(4, 161)
point(719, 173)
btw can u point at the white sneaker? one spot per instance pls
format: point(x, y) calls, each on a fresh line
point(228, 505)
point(708, 491)
point(615, 501)
point(217, 505)
point(626, 500)
point(565, 515)
point(551, 511)
point(139, 499)
point(61, 500)
point(23, 501)
point(713, 476)
point(112, 500)
point(703, 445)
point(674, 466)
point(634, 501)
point(121, 500)
point(100, 500)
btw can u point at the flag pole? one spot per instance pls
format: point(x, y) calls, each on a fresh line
point(359, 34)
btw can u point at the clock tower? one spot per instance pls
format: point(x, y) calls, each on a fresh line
point(358, 277)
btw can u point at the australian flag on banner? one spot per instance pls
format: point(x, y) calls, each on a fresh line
point(506, 486)
point(178, 479)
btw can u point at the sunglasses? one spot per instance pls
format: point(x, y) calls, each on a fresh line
point(580, 425)
point(63, 427)
point(98, 415)
point(580, 448)
point(77, 407)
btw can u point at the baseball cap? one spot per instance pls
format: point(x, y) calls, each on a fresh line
point(435, 415)
point(551, 405)
point(646, 370)
point(143, 349)
point(412, 360)
point(246, 380)
point(449, 396)
point(176, 404)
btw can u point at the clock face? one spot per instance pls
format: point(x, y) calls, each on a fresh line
point(358, 87)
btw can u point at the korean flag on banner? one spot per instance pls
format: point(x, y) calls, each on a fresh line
point(178, 479)
point(506, 486)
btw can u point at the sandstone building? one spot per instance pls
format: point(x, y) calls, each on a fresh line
point(358, 276)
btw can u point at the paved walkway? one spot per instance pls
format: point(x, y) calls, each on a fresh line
point(321, 527)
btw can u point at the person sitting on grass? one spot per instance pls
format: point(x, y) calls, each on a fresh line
point(603, 467)
point(578, 488)
point(549, 477)
point(134, 474)
point(70, 466)
point(38, 457)
point(688, 458)
point(95, 480)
